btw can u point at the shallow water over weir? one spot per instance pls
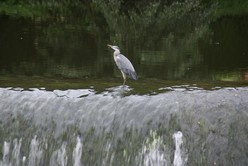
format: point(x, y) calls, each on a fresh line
point(79, 127)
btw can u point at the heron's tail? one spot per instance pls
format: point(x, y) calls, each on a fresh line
point(133, 75)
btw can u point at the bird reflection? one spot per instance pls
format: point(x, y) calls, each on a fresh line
point(118, 91)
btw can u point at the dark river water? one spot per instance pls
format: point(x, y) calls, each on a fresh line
point(60, 50)
point(62, 101)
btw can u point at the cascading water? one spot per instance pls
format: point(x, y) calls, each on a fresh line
point(59, 157)
point(177, 127)
point(178, 159)
point(16, 152)
point(77, 153)
point(35, 153)
point(6, 149)
point(153, 151)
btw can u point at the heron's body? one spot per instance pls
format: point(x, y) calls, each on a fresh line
point(123, 64)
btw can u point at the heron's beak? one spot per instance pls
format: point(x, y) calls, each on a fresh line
point(109, 45)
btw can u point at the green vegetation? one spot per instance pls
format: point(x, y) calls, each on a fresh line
point(41, 8)
point(229, 7)
point(141, 12)
point(122, 17)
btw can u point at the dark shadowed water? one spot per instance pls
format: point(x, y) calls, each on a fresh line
point(62, 50)
point(62, 103)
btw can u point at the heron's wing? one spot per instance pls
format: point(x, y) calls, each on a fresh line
point(125, 66)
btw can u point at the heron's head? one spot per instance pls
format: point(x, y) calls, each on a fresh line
point(116, 48)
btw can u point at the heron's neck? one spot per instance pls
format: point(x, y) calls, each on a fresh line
point(117, 52)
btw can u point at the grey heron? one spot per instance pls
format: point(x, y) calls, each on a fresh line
point(123, 64)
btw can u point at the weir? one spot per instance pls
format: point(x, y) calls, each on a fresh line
point(81, 127)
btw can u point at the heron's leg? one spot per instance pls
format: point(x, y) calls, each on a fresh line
point(124, 77)
point(124, 81)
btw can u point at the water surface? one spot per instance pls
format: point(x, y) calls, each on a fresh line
point(67, 50)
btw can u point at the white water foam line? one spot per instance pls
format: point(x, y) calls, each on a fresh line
point(180, 159)
point(77, 153)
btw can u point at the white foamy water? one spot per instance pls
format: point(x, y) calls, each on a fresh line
point(152, 153)
point(59, 157)
point(23, 160)
point(12, 154)
point(35, 153)
point(6, 157)
point(179, 156)
point(77, 153)
point(16, 152)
